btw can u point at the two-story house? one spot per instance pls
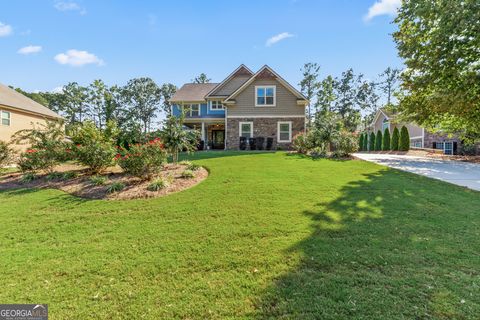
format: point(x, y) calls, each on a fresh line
point(245, 104)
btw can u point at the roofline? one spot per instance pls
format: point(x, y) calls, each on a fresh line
point(279, 78)
point(57, 116)
point(229, 77)
point(377, 114)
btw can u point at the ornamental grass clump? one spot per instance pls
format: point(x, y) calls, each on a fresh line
point(98, 180)
point(157, 185)
point(115, 187)
point(188, 174)
point(194, 167)
point(143, 160)
point(28, 177)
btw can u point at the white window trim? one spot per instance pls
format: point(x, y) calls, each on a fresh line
point(9, 119)
point(216, 109)
point(190, 111)
point(240, 128)
point(289, 131)
point(274, 97)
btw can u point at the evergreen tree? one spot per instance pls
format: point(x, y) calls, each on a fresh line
point(404, 139)
point(378, 141)
point(371, 143)
point(365, 141)
point(386, 140)
point(395, 139)
point(360, 142)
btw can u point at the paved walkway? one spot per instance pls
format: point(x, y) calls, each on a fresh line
point(460, 173)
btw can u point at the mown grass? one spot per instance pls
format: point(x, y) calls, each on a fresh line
point(265, 236)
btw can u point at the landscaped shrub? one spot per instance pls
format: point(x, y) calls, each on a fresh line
point(319, 152)
point(143, 160)
point(395, 139)
point(98, 180)
point(365, 141)
point(188, 174)
point(7, 155)
point(115, 187)
point(344, 144)
point(371, 142)
point(157, 185)
point(360, 142)
point(378, 141)
point(34, 160)
point(302, 143)
point(386, 140)
point(404, 144)
point(47, 147)
point(95, 148)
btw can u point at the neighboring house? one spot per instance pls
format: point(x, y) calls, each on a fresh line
point(17, 112)
point(245, 104)
point(419, 137)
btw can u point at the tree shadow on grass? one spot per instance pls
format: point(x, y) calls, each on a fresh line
point(345, 261)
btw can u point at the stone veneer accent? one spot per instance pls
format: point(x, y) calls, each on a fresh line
point(262, 127)
point(430, 138)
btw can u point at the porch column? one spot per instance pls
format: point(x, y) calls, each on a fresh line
point(203, 136)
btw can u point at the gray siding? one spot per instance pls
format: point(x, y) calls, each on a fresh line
point(286, 102)
point(230, 86)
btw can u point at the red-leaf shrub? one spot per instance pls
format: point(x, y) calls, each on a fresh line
point(143, 160)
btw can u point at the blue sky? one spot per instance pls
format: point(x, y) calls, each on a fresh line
point(46, 44)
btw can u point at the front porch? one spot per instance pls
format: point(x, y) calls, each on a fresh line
point(212, 133)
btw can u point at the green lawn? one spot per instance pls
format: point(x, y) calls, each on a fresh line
point(265, 236)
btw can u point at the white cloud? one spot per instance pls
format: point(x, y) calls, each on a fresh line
point(29, 49)
point(382, 7)
point(5, 30)
point(78, 58)
point(69, 6)
point(276, 38)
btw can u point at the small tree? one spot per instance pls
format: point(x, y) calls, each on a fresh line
point(371, 142)
point(378, 141)
point(360, 142)
point(176, 138)
point(386, 140)
point(404, 144)
point(395, 139)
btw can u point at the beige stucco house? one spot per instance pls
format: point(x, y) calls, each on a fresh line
point(259, 107)
point(18, 112)
point(419, 136)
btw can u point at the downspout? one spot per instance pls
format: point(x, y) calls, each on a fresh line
point(225, 135)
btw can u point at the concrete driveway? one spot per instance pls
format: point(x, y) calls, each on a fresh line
point(460, 173)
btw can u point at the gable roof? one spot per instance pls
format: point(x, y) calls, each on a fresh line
point(263, 70)
point(15, 100)
point(192, 92)
point(242, 71)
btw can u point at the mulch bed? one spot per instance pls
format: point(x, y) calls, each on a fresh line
point(81, 186)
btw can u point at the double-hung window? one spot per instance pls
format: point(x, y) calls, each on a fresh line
point(5, 118)
point(216, 105)
point(284, 133)
point(246, 129)
point(193, 110)
point(265, 96)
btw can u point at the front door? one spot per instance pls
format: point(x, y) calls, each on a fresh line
point(218, 139)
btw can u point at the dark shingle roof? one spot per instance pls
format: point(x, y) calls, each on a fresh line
point(193, 92)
